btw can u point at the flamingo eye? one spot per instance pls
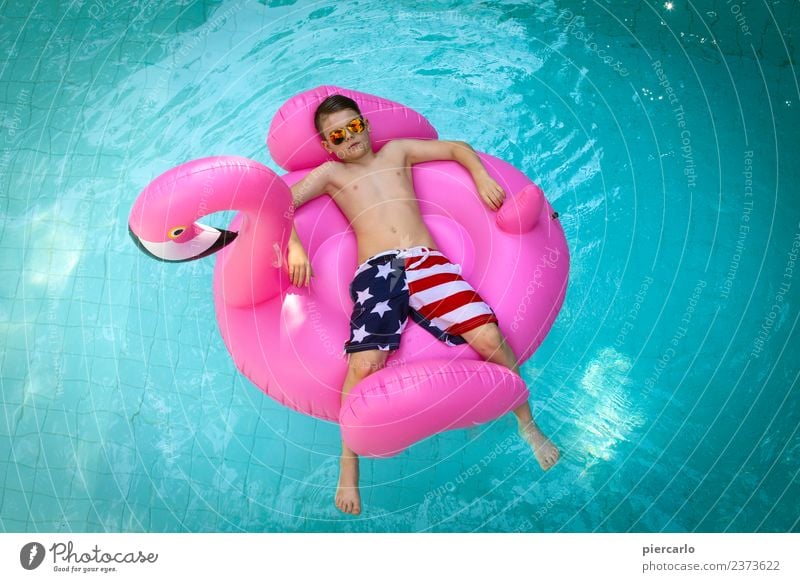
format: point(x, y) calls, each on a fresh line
point(176, 232)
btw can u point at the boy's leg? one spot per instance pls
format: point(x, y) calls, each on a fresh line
point(360, 365)
point(489, 342)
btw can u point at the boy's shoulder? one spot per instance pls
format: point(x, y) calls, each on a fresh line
point(400, 142)
point(327, 168)
point(331, 171)
point(400, 146)
point(407, 144)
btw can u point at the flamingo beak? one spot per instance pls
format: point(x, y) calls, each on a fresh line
point(206, 241)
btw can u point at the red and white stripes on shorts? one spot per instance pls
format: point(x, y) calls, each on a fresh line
point(439, 293)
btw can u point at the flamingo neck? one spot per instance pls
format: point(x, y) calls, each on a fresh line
point(253, 265)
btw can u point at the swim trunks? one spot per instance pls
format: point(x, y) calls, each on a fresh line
point(419, 281)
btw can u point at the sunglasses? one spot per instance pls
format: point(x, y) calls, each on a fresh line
point(354, 126)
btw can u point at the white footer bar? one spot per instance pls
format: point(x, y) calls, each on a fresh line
point(406, 557)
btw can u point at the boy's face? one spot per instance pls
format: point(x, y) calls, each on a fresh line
point(355, 144)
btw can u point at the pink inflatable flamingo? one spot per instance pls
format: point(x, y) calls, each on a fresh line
point(289, 341)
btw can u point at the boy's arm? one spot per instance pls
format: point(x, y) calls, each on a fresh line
point(418, 151)
point(294, 239)
point(315, 183)
point(312, 185)
point(298, 266)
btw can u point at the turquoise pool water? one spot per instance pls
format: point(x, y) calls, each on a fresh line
point(665, 138)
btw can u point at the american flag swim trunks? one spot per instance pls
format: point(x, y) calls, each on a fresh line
point(419, 281)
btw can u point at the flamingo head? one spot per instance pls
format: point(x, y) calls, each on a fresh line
point(184, 243)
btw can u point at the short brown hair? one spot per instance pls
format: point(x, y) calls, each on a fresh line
point(332, 104)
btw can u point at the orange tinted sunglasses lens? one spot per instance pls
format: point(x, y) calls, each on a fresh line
point(337, 136)
point(356, 126)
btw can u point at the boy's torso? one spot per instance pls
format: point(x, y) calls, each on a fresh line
point(378, 200)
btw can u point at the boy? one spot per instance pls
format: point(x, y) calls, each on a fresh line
point(375, 192)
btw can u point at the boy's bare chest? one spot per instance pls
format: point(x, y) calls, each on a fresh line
point(377, 185)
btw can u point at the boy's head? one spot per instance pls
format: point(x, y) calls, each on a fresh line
point(344, 131)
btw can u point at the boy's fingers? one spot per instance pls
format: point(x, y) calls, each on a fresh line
point(300, 274)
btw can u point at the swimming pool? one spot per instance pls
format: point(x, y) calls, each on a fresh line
point(664, 137)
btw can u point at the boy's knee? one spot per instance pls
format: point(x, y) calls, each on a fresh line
point(487, 338)
point(361, 367)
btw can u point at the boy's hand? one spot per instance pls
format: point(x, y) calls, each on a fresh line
point(299, 266)
point(491, 192)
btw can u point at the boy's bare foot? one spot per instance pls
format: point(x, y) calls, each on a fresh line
point(543, 449)
point(348, 499)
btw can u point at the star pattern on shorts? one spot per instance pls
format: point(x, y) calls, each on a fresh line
point(363, 296)
point(381, 307)
point(384, 270)
point(360, 333)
